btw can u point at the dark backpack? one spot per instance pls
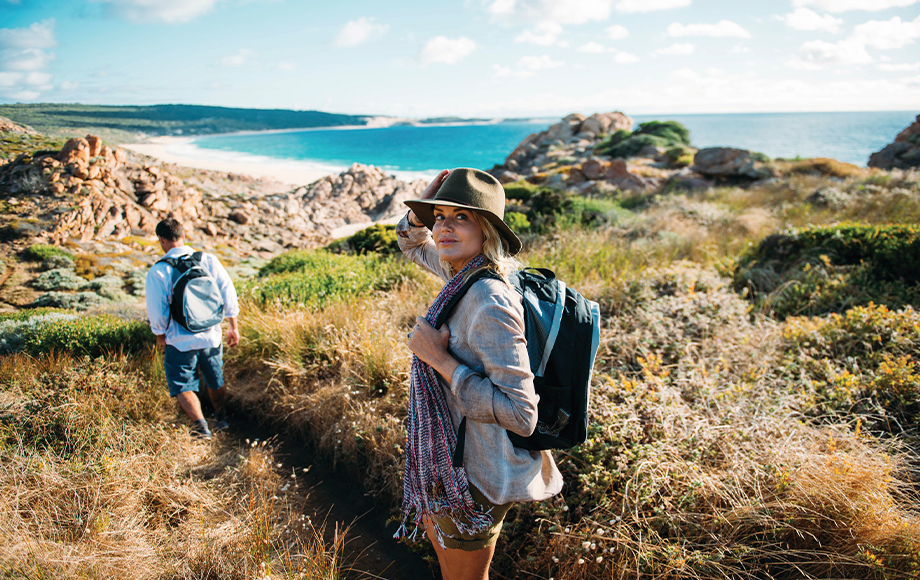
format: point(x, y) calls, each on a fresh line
point(197, 302)
point(562, 329)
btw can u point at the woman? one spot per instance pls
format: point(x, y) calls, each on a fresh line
point(475, 366)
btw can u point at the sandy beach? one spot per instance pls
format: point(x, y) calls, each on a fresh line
point(181, 151)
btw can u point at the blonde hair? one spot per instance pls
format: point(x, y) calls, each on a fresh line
point(494, 249)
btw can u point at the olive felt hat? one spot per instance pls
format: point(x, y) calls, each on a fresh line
point(472, 189)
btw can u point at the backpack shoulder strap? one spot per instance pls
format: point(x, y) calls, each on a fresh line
point(457, 456)
point(474, 277)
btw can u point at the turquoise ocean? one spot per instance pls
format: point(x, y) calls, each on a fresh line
point(423, 150)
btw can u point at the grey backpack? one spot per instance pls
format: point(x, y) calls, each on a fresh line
point(197, 302)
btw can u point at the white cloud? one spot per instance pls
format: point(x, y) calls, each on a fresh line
point(851, 51)
point(357, 32)
point(617, 32)
point(30, 59)
point(501, 71)
point(888, 34)
point(680, 48)
point(901, 67)
point(535, 63)
point(805, 19)
point(685, 74)
point(26, 95)
point(446, 50)
point(591, 47)
point(286, 65)
point(24, 58)
point(847, 5)
point(550, 11)
point(623, 57)
point(799, 64)
point(724, 28)
point(545, 34)
point(650, 5)
point(69, 86)
point(238, 59)
point(740, 49)
point(40, 80)
point(169, 11)
point(10, 79)
point(39, 35)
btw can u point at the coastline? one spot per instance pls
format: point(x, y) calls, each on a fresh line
point(181, 151)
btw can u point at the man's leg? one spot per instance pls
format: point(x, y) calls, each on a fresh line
point(188, 400)
point(182, 379)
point(211, 364)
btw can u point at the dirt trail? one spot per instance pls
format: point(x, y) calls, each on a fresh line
point(370, 550)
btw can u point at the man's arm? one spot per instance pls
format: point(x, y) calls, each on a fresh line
point(157, 304)
point(233, 332)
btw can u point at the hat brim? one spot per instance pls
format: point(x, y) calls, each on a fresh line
point(424, 210)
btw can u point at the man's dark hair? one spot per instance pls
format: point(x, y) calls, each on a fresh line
point(170, 230)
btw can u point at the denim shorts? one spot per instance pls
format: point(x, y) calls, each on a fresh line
point(454, 539)
point(182, 368)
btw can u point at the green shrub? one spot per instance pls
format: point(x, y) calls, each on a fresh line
point(520, 190)
point(518, 222)
point(90, 335)
point(547, 208)
point(58, 261)
point(378, 238)
point(15, 329)
point(59, 279)
point(69, 300)
point(631, 147)
point(831, 268)
point(672, 131)
point(666, 134)
point(680, 156)
point(314, 278)
point(42, 252)
point(862, 362)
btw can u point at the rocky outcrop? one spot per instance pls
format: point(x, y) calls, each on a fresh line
point(89, 191)
point(8, 126)
point(575, 131)
point(904, 153)
point(564, 156)
point(726, 162)
point(361, 194)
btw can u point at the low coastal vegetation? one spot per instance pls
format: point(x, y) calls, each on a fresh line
point(97, 481)
point(755, 403)
point(732, 437)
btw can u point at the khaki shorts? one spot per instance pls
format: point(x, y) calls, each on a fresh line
point(454, 539)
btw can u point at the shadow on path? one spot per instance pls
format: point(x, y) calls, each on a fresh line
point(370, 550)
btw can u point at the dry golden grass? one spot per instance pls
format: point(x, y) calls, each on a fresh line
point(89, 491)
point(701, 463)
point(824, 166)
point(338, 376)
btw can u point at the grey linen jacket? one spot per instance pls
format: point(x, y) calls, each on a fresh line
point(493, 386)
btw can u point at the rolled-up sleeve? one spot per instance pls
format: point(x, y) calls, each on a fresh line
point(503, 392)
point(156, 291)
point(417, 245)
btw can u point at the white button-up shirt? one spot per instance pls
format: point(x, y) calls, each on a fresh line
point(159, 294)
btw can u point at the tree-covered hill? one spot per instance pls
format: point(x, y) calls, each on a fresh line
point(120, 121)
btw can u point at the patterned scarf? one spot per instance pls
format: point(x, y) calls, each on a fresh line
point(431, 485)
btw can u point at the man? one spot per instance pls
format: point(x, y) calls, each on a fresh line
point(187, 353)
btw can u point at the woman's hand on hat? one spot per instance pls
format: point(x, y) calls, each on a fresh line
point(435, 185)
point(430, 345)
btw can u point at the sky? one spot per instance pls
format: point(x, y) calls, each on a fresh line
point(468, 58)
